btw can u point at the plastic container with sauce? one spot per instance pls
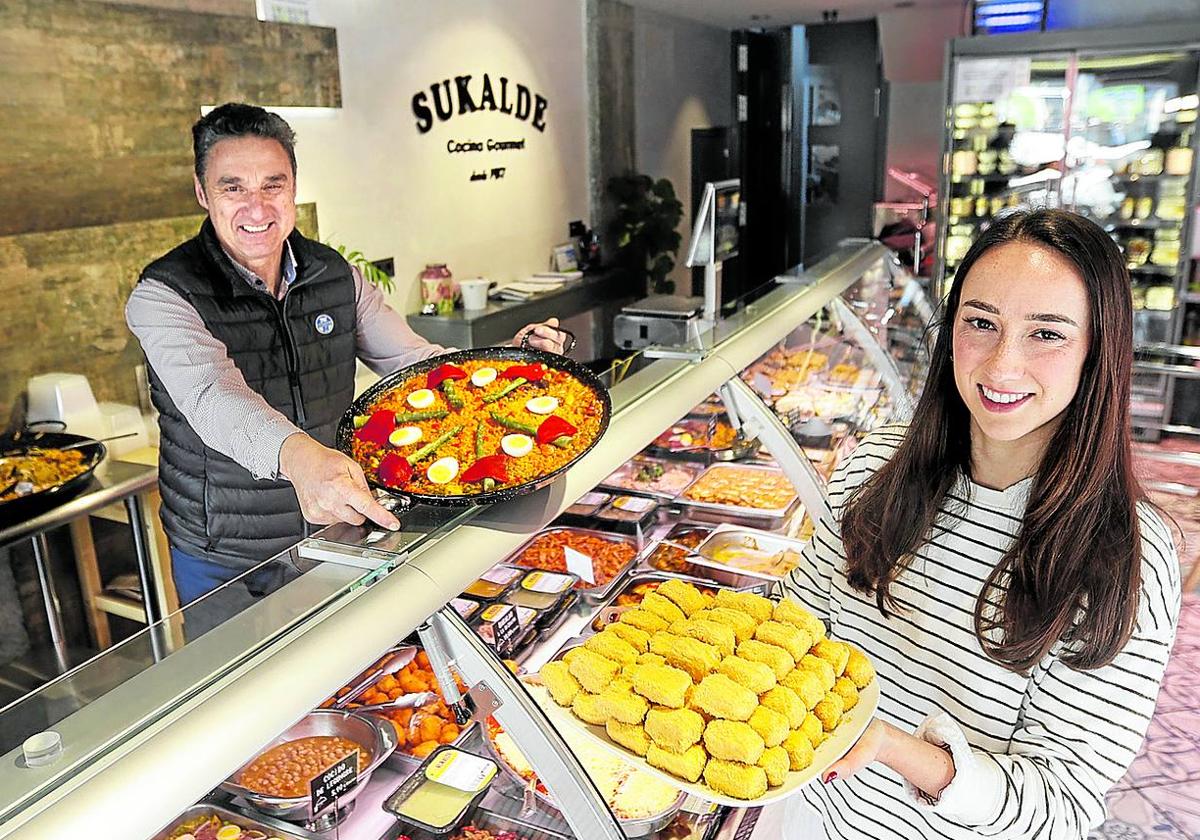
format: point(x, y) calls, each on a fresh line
point(628, 514)
point(494, 582)
point(589, 504)
point(542, 590)
point(445, 788)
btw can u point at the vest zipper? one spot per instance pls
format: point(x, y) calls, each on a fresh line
point(292, 355)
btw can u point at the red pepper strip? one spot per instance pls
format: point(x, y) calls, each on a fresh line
point(441, 373)
point(553, 428)
point(394, 470)
point(378, 427)
point(490, 466)
point(531, 373)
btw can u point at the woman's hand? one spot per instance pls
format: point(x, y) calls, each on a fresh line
point(872, 746)
point(925, 766)
point(543, 336)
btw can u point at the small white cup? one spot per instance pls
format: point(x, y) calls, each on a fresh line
point(475, 292)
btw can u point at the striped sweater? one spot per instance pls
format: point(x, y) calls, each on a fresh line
point(1034, 755)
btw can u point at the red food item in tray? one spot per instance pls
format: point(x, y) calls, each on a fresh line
point(530, 373)
point(552, 428)
point(490, 466)
point(609, 556)
point(441, 373)
point(394, 470)
point(377, 428)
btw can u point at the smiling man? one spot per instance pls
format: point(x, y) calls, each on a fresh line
point(251, 333)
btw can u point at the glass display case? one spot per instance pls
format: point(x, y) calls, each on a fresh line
point(402, 635)
point(1098, 122)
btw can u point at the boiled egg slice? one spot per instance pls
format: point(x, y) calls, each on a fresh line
point(518, 446)
point(442, 471)
point(421, 399)
point(542, 405)
point(484, 376)
point(229, 832)
point(405, 436)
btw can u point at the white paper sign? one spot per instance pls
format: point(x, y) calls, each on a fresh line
point(989, 79)
point(579, 564)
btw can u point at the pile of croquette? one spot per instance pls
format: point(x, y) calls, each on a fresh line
point(737, 689)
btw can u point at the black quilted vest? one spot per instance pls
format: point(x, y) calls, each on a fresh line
point(212, 506)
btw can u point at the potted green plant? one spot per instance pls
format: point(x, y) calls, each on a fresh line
point(370, 272)
point(644, 227)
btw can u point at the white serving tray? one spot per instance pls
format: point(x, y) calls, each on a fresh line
point(834, 747)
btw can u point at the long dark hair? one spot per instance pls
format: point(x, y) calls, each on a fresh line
point(1073, 572)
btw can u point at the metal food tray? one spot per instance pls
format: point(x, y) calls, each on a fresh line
point(376, 735)
point(659, 495)
point(397, 658)
point(270, 827)
point(638, 827)
point(611, 607)
point(590, 594)
point(770, 519)
point(406, 763)
point(733, 575)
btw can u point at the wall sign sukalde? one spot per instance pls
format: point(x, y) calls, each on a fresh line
point(473, 95)
point(469, 94)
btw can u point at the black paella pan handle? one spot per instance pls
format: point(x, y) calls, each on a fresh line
point(568, 345)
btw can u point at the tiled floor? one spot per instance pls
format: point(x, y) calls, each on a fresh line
point(1160, 795)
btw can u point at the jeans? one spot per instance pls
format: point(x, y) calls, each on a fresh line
point(195, 576)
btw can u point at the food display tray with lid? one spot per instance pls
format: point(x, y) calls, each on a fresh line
point(594, 594)
point(753, 543)
point(770, 519)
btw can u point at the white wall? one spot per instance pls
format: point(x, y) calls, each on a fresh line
point(682, 81)
point(385, 189)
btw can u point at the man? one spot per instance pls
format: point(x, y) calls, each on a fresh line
point(251, 332)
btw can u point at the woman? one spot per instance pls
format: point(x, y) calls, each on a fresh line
point(997, 559)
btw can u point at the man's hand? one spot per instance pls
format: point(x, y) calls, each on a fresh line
point(331, 487)
point(543, 336)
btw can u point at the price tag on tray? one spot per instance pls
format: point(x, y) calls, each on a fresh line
point(506, 629)
point(328, 786)
point(580, 564)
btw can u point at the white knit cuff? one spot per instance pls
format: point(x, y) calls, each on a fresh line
point(976, 793)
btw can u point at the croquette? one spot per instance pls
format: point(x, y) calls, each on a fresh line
point(844, 688)
point(687, 654)
point(790, 612)
point(610, 645)
point(799, 750)
point(721, 697)
point(556, 676)
point(710, 632)
point(662, 607)
point(835, 653)
point(771, 726)
point(779, 660)
point(807, 686)
point(829, 711)
point(820, 667)
point(674, 729)
point(632, 737)
point(649, 658)
point(743, 624)
point(785, 701)
point(812, 730)
point(662, 684)
point(756, 605)
point(753, 675)
point(644, 620)
point(635, 636)
point(792, 639)
point(685, 596)
point(688, 764)
point(594, 672)
point(588, 709)
point(741, 781)
point(733, 741)
point(859, 668)
point(621, 704)
point(775, 763)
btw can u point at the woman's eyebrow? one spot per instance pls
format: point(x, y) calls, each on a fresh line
point(978, 304)
point(1052, 317)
